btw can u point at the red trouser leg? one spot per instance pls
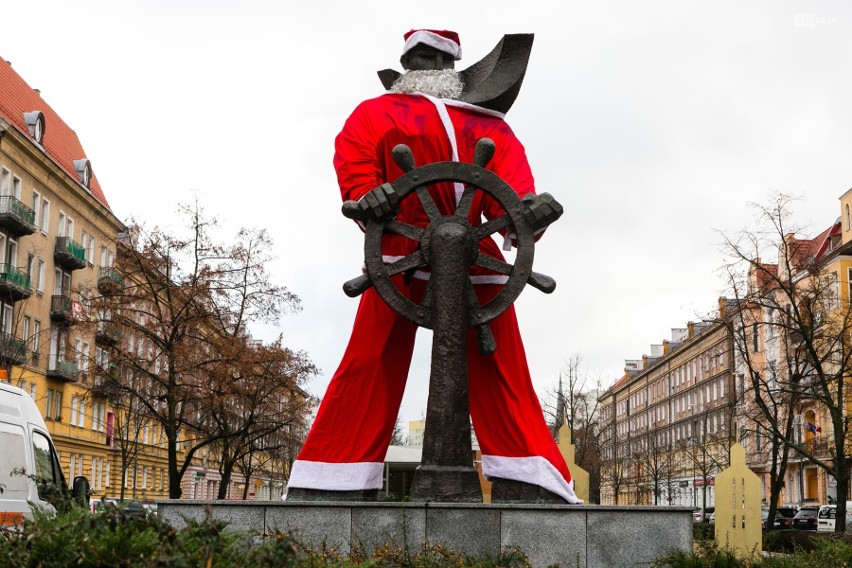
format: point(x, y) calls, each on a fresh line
point(513, 436)
point(346, 446)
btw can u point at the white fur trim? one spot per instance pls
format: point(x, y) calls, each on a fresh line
point(534, 469)
point(451, 136)
point(336, 476)
point(432, 40)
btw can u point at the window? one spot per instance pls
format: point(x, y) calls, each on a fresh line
point(847, 219)
point(35, 125)
point(53, 405)
point(833, 291)
point(16, 188)
point(84, 364)
point(74, 410)
point(81, 416)
point(66, 226)
point(84, 170)
point(104, 256)
point(87, 241)
point(6, 319)
point(75, 466)
point(47, 469)
point(5, 182)
point(40, 276)
point(36, 202)
point(35, 336)
point(45, 216)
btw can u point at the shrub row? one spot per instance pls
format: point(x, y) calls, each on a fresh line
point(118, 538)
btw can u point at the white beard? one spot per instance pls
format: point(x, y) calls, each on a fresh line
point(443, 84)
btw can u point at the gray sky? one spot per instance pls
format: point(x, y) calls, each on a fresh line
point(654, 123)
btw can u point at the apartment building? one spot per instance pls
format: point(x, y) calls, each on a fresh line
point(791, 349)
point(57, 248)
point(666, 425)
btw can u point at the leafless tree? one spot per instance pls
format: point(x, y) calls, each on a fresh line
point(792, 325)
point(184, 309)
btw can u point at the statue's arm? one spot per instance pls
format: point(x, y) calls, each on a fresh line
point(356, 161)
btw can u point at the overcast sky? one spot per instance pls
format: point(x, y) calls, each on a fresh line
point(654, 123)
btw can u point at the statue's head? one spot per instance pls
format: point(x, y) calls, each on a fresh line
point(430, 50)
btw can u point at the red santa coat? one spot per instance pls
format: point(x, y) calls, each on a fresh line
point(347, 443)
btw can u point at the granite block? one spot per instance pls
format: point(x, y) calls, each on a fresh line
point(548, 537)
point(401, 527)
point(645, 535)
point(471, 530)
point(316, 526)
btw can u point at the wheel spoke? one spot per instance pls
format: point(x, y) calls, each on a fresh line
point(412, 232)
point(490, 227)
point(413, 260)
point(427, 203)
point(465, 202)
point(494, 264)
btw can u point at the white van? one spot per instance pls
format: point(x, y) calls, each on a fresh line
point(826, 517)
point(29, 466)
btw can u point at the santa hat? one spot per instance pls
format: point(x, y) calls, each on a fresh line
point(442, 40)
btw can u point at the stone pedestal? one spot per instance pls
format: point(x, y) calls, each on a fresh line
point(586, 536)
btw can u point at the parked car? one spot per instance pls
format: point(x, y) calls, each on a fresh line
point(702, 516)
point(806, 519)
point(779, 523)
point(697, 516)
point(788, 512)
point(132, 507)
point(826, 518)
point(713, 518)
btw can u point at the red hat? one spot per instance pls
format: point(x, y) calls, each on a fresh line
point(442, 40)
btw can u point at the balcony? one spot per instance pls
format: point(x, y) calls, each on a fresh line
point(61, 310)
point(14, 284)
point(62, 370)
point(16, 217)
point(110, 281)
point(69, 254)
point(12, 351)
point(108, 333)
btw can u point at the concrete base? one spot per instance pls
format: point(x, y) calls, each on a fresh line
point(568, 535)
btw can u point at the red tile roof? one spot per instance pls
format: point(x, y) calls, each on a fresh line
point(802, 252)
point(60, 143)
point(823, 240)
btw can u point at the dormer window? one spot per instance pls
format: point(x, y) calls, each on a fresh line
point(84, 170)
point(35, 124)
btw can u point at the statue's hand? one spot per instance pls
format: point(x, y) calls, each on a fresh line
point(380, 204)
point(541, 210)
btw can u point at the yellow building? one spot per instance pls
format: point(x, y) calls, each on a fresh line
point(666, 425)
point(57, 247)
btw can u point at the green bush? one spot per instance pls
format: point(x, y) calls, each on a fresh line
point(825, 552)
point(703, 531)
point(118, 538)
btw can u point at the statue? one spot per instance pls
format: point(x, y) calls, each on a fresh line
point(432, 115)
